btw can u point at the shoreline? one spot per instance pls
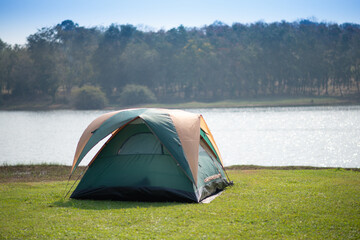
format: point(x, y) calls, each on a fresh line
point(240, 103)
point(49, 172)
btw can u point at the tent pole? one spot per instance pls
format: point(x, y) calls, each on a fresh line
point(74, 182)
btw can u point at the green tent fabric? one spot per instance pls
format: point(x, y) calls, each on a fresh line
point(152, 155)
point(105, 129)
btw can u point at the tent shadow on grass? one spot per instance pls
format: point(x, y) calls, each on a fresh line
point(103, 205)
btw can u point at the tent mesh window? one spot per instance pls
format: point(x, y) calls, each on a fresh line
point(148, 143)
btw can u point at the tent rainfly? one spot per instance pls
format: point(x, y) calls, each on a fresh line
point(151, 155)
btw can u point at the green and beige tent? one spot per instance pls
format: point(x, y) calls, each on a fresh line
point(150, 155)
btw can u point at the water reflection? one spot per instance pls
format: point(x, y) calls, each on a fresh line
point(315, 136)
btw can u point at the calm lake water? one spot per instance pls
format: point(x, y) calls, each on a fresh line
point(281, 136)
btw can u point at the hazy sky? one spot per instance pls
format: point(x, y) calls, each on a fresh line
point(20, 18)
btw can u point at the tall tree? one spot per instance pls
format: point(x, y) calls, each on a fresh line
point(107, 58)
point(42, 48)
point(76, 47)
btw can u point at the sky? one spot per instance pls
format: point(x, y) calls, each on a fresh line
point(21, 18)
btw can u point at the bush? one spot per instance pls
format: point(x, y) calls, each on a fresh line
point(89, 97)
point(136, 94)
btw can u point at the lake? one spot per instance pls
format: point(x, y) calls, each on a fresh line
point(279, 136)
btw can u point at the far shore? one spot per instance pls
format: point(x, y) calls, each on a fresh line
point(240, 103)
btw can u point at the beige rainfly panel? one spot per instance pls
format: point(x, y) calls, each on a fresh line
point(88, 133)
point(187, 126)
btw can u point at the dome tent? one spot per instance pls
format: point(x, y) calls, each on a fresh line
point(151, 155)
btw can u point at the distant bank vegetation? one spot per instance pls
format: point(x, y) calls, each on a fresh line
point(120, 64)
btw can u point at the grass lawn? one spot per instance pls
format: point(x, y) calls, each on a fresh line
point(262, 204)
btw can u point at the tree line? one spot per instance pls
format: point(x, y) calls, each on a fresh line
point(210, 63)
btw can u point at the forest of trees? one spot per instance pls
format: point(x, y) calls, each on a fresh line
point(211, 63)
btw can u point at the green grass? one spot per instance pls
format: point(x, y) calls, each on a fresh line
point(262, 204)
